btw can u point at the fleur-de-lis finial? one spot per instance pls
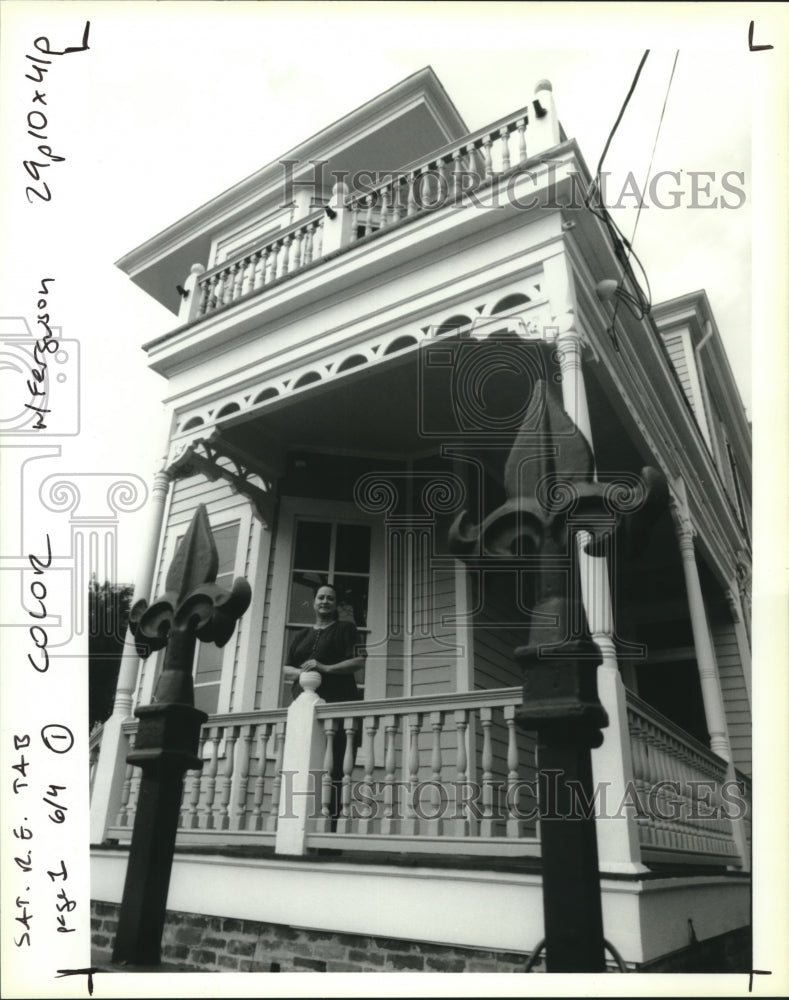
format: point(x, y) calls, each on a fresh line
point(192, 607)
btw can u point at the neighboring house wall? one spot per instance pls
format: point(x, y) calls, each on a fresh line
point(735, 694)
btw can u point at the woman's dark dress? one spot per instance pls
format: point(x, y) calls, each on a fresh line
point(333, 644)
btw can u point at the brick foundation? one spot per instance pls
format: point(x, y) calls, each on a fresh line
point(195, 943)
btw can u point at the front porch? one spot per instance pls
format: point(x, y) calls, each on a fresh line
point(440, 774)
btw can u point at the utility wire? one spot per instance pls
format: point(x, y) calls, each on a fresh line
point(654, 147)
point(629, 244)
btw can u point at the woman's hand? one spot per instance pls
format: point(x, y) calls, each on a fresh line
point(312, 665)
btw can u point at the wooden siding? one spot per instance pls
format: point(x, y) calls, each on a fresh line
point(735, 694)
point(494, 666)
point(267, 625)
point(677, 350)
point(434, 658)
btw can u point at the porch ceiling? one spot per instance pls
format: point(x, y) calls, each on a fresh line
point(453, 391)
point(372, 411)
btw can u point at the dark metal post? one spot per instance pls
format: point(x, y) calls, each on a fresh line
point(560, 702)
point(551, 494)
point(169, 730)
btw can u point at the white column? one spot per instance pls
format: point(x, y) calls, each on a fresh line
point(612, 768)
point(190, 302)
point(543, 132)
point(338, 221)
point(705, 653)
point(111, 767)
point(302, 758)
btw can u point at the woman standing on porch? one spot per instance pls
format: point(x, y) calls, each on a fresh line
point(334, 649)
point(330, 646)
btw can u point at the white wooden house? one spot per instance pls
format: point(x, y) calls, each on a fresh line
point(353, 350)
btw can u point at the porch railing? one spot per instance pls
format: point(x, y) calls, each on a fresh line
point(686, 802)
point(422, 775)
point(435, 774)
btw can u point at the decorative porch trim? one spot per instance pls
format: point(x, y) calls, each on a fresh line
point(202, 455)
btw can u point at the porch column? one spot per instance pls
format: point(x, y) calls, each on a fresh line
point(711, 694)
point(612, 766)
point(111, 768)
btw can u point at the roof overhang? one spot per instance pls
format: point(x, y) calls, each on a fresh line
point(404, 123)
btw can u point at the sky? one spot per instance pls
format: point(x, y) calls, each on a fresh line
point(175, 102)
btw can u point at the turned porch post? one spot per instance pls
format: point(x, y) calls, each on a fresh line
point(711, 693)
point(108, 781)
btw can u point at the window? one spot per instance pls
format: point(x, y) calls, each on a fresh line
point(334, 552)
point(208, 662)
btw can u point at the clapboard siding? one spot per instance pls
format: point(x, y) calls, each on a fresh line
point(434, 662)
point(735, 693)
point(267, 625)
point(676, 344)
point(494, 666)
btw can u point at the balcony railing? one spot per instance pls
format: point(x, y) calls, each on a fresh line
point(445, 177)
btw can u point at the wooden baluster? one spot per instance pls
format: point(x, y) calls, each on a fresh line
point(297, 258)
point(487, 823)
point(284, 263)
point(365, 822)
point(222, 287)
point(238, 280)
point(368, 216)
point(504, 136)
point(355, 235)
point(278, 736)
point(258, 270)
point(686, 775)
point(309, 234)
point(193, 799)
point(203, 290)
point(434, 824)
point(240, 782)
point(230, 275)
point(247, 272)
point(265, 267)
point(487, 143)
point(329, 728)
point(191, 782)
point(464, 825)
point(445, 179)
point(411, 820)
point(412, 204)
point(262, 734)
point(638, 752)
point(457, 179)
point(675, 769)
point(226, 779)
point(123, 812)
point(389, 822)
point(317, 242)
point(514, 825)
point(521, 126)
point(385, 207)
point(272, 262)
point(219, 290)
point(209, 779)
point(134, 790)
point(344, 822)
